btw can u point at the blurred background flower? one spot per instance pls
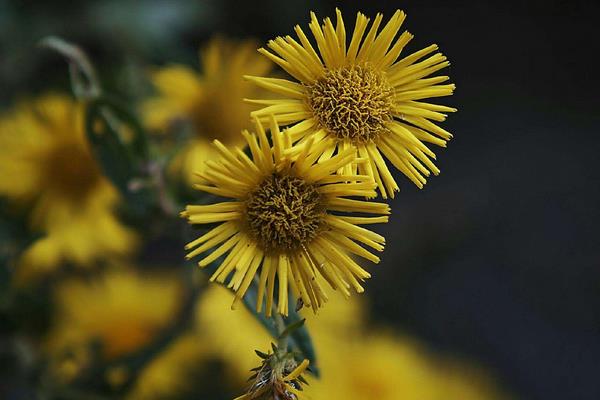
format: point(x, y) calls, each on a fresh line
point(206, 104)
point(47, 166)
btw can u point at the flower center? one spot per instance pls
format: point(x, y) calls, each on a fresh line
point(72, 169)
point(284, 212)
point(352, 102)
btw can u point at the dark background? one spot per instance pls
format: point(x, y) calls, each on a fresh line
point(497, 258)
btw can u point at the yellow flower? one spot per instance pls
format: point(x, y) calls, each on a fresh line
point(361, 95)
point(383, 366)
point(167, 375)
point(46, 163)
point(281, 220)
point(210, 101)
point(217, 325)
point(355, 362)
point(122, 310)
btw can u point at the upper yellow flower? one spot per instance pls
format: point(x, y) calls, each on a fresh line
point(46, 163)
point(361, 95)
point(211, 102)
point(281, 220)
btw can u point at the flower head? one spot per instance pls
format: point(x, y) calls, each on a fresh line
point(46, 164)
point(281, 220)
point(279, 377)
point(121, 310)
point(209, 101)
point(360, 95)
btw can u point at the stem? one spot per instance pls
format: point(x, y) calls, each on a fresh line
point(282, 341)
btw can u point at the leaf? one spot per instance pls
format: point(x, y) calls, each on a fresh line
point(291, 328)
point(108, 147)
point(302, 341)
point(298, 336)
point(84, 81)
point(122, 159)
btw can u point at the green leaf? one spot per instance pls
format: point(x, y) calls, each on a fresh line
point(301, 340)
point(108, 147)
point(298, 336)
point(84, 81)
point(120, 145)
point(291, 328)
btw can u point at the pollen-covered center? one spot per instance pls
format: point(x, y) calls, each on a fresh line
point(352, 102)
point(284, 212)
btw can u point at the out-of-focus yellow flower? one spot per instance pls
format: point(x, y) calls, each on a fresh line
point(211, 100)
point(46, 163)
point(168, 374)
point(122, 311)
point(387, 367)
point(233, 335)
point(282, 223)
point(355, 89)
point(354, 363)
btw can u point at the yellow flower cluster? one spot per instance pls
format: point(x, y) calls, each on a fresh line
point(297, 199)
point(355, 363)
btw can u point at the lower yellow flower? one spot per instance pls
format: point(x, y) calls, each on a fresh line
point(210, 101)
point(46, 163)
point(281, 220)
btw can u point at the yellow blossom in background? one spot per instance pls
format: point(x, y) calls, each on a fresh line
point(169, 373)
point(122, 310)
point(362, 95)
point(387, 367)
point(281, 222)
point(46, 164)
point(355, 362)
point(209, 100)
point(216, 324)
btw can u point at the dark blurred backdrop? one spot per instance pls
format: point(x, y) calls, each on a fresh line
point(498, 258)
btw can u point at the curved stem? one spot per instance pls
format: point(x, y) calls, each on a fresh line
point(282, 340)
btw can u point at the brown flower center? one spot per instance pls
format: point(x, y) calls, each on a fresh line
point(72, 169)
point(352, 102)
point(284, 212)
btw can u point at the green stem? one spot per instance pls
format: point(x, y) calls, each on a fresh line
point(282, 341)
